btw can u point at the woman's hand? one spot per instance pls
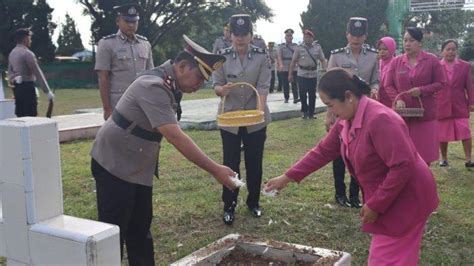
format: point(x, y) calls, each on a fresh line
point(400, 104)
point(415, 92)
point(224, 89)
point(367, 215)
point(374, 94)
point(277, 183)
point(472, 108)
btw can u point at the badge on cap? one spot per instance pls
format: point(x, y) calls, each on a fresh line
point(132, 11)
point(240, 22)
point(358, 24)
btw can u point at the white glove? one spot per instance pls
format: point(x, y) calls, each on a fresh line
point(50, 95)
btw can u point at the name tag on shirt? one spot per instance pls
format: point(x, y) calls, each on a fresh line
point(231, 76)
point(346, 65)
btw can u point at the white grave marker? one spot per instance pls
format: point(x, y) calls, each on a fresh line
point(33, 229)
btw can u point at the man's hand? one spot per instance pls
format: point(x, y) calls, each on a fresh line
point(223, 174)
point(367, 215)
point(50, 95)
point(107, 112)
point(290, 76)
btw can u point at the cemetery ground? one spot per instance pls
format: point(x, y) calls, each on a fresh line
point(188, 207)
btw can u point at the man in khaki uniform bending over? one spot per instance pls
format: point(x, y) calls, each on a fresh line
point(124, 152)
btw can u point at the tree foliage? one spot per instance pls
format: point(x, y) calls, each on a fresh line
point(328, 19)
point(27, 14)
point(69, 39)
point(163, 21)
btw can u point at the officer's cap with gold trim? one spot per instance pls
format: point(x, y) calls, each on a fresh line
point(129, 12)
point(357, 26)
point(289, 31)
point(207, 62)
point(240, 24)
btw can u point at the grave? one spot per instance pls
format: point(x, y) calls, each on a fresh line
point(7, 108)
point(33, 228)
point(235, 249)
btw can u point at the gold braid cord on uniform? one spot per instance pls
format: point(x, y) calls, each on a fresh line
point(203, 67)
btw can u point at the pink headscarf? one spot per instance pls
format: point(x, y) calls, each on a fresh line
point(391, 46)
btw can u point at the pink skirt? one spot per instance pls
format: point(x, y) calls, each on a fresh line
point(425, 137)
point(454, 129)
point(397, 251)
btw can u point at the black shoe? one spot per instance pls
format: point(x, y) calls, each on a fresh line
point(342, 200)
point(296, 101)
point(256, 211)
point(355, 203)
point(469, 164)
point(228, 218)
point(286, 100)
point(444, 163)
point(305, 116)
point(311, 117)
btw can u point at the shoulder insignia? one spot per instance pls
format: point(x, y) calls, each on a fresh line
point(224, 51)
point(371, 49)
point(168, 82)
point(336, 51)
point(109, 36)
point(259, 50)
point(141, 37)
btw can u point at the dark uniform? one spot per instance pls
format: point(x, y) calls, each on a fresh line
point(285, 54)
point(366, 67)
point(254, 68)
point(124, 58)
point(124, 153)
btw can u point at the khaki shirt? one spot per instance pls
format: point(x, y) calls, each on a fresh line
point(22, 63)
point(259, 42)
point(253, 69)
point(148, 103)
point(307, 68)
point(286, 52)
point(124, 59)
point(367, 67)
point(272, 56)
point(221, 43)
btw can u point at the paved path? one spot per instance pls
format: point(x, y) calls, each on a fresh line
point(197, 114)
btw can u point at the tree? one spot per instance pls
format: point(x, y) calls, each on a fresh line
point(161, 17)
point(467, 49)
point(69, 39)
point(330, 28)
point(40, 20)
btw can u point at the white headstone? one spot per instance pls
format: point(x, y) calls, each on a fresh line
point(33, 229)
point(7, 108)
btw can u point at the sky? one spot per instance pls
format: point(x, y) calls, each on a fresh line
point(287, 15)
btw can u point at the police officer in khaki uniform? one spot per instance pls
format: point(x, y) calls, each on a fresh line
point(285, 55)
point(361, 60)
point(258, 41)
point(244, 63)
point(124, 151)
point(223, 41)
point(23, 71)
point(305, 57)
point(272, 56)
point(121, 56)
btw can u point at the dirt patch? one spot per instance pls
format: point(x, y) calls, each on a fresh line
point(239, 256)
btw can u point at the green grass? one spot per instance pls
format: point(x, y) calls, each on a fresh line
point(68, 100)
point(188, 209)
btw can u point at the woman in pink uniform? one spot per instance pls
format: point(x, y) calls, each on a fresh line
point(398, 189)
point(386, 48)
point(417, 75)
point(453, 104)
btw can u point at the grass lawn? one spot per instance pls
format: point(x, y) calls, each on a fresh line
point(188, 209)
point(68, 100)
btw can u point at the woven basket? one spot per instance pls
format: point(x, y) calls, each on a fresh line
point(241, 118)
point(408, 112)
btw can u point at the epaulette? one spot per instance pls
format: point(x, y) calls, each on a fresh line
point(165, 79)
point(371, 49)
point(224, 51)
point(259, 50)
point(109, 36)
point(336, 51)
point(316, 43)
point(141, 37)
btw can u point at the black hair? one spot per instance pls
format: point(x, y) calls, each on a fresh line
point(448, 42)
point(337, 81)
point(21, 33)
point(186, 56)
point(415, 33)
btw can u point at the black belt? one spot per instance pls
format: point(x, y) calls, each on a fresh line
point(308, 68)
point(122, 122)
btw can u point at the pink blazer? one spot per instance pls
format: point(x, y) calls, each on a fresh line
point(454, 100)
point(428, 75)
point(378, 150)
